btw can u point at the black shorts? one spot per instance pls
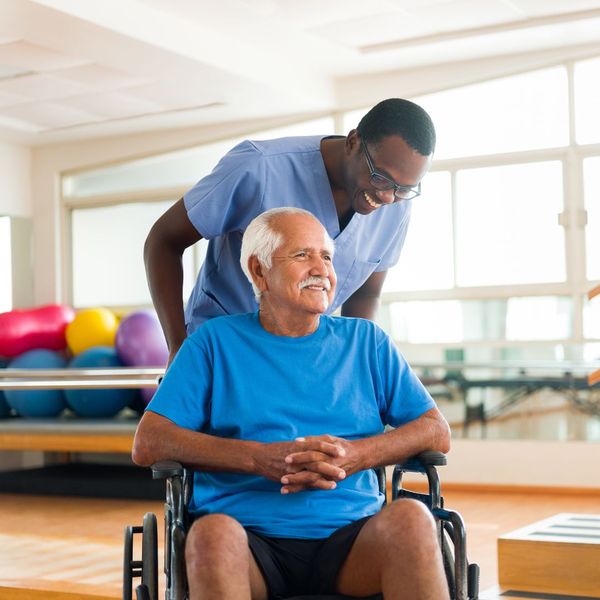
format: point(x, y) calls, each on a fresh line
point(292, 567)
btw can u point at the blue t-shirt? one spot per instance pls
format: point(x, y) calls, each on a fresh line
point(233, 379)
point(256, 176)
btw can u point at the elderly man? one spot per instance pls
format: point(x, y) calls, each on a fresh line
point(282, 414)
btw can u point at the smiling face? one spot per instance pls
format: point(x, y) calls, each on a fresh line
point(391, 157)
point(301, 281)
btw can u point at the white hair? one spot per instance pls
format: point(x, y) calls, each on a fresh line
point(261, 240)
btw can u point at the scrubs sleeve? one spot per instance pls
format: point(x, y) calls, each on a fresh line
point(184, 394)
point(390, 258)
point(404, 396)
point(231, 196)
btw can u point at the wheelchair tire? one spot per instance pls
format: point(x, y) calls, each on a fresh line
point(149, 558)
point(127, 558)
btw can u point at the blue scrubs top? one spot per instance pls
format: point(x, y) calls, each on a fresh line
point(256, 176)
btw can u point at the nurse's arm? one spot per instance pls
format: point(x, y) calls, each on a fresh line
point(172, 233)
point(158, 438)
point(365, 300)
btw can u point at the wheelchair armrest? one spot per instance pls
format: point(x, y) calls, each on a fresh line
point(166, 469)
point(420, 462)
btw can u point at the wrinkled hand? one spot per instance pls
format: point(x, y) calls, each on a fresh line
point(310, 468)
point(270, 460)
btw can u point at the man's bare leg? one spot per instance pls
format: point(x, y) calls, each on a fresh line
point(396, 553)
point(219, 563)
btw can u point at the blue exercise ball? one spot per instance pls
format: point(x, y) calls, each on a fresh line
point(98, 402)
point(37, 403)
point(4, 407)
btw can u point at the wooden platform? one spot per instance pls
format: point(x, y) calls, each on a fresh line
point(559, 555)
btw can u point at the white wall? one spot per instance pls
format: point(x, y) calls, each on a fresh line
point(15, 180)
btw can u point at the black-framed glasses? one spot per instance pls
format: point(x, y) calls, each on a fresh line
point(383, 183)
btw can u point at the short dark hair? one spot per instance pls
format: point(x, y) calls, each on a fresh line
point(404, 118)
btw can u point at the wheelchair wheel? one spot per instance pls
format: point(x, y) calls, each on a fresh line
point(149, 557)
point(448, 559)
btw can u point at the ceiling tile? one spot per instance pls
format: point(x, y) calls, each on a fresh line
point(36, 58)
point(42, 87)
point(316, 13)
point(99, 77)
point(173, 96)
point(534, 8)
point(11, 99)
point(463, 14)
point(48, 115)
point(113, 105)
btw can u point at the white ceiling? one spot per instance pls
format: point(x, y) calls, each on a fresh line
point(71, 69)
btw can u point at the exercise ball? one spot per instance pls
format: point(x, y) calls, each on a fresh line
point(37, 403)
point(4, 407)
point(140, 341)
point(90, 328)
point(99, 403)
point(34, 329)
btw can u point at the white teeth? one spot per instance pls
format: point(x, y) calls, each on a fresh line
point(370, 201)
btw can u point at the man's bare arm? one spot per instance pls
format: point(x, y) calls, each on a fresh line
point(157, 438)
point(163, 251)
point(365, 300)
point(428, 432)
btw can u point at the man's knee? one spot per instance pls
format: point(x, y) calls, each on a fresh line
point(405, 522)
point(215, 535)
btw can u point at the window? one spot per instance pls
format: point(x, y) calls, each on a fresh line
point(108, 234)
point(507, 227)
point(427, 259)
point(455, 321)
point(587, 100)
point(5, 265)
point(107, 257)
point(591, 178)
point(502, 115)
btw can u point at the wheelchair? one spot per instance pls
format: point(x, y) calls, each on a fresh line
point(462, 576)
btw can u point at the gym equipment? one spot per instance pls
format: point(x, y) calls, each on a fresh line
point(90, 328)
point(463, 578)
point(140, 341)
point(33, 329)
point(98, 403)
point(37, 403)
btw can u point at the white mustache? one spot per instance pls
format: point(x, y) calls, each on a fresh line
point(315, 281)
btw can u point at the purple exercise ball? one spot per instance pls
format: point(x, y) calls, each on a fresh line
point(140, 341)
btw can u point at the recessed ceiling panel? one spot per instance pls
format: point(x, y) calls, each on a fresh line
point(172, 96)
point(113, 105)
point(42, 87)
point(99, 77)
point(36, 58)
point(48, 115)
point(11, 99)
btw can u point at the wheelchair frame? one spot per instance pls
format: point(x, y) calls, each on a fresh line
point(463, 577)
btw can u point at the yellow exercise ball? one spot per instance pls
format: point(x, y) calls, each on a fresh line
point(91, 327)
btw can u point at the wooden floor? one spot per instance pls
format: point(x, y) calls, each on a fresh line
point(71, 548)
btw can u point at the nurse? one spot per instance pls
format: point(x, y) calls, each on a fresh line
point(360, 187)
